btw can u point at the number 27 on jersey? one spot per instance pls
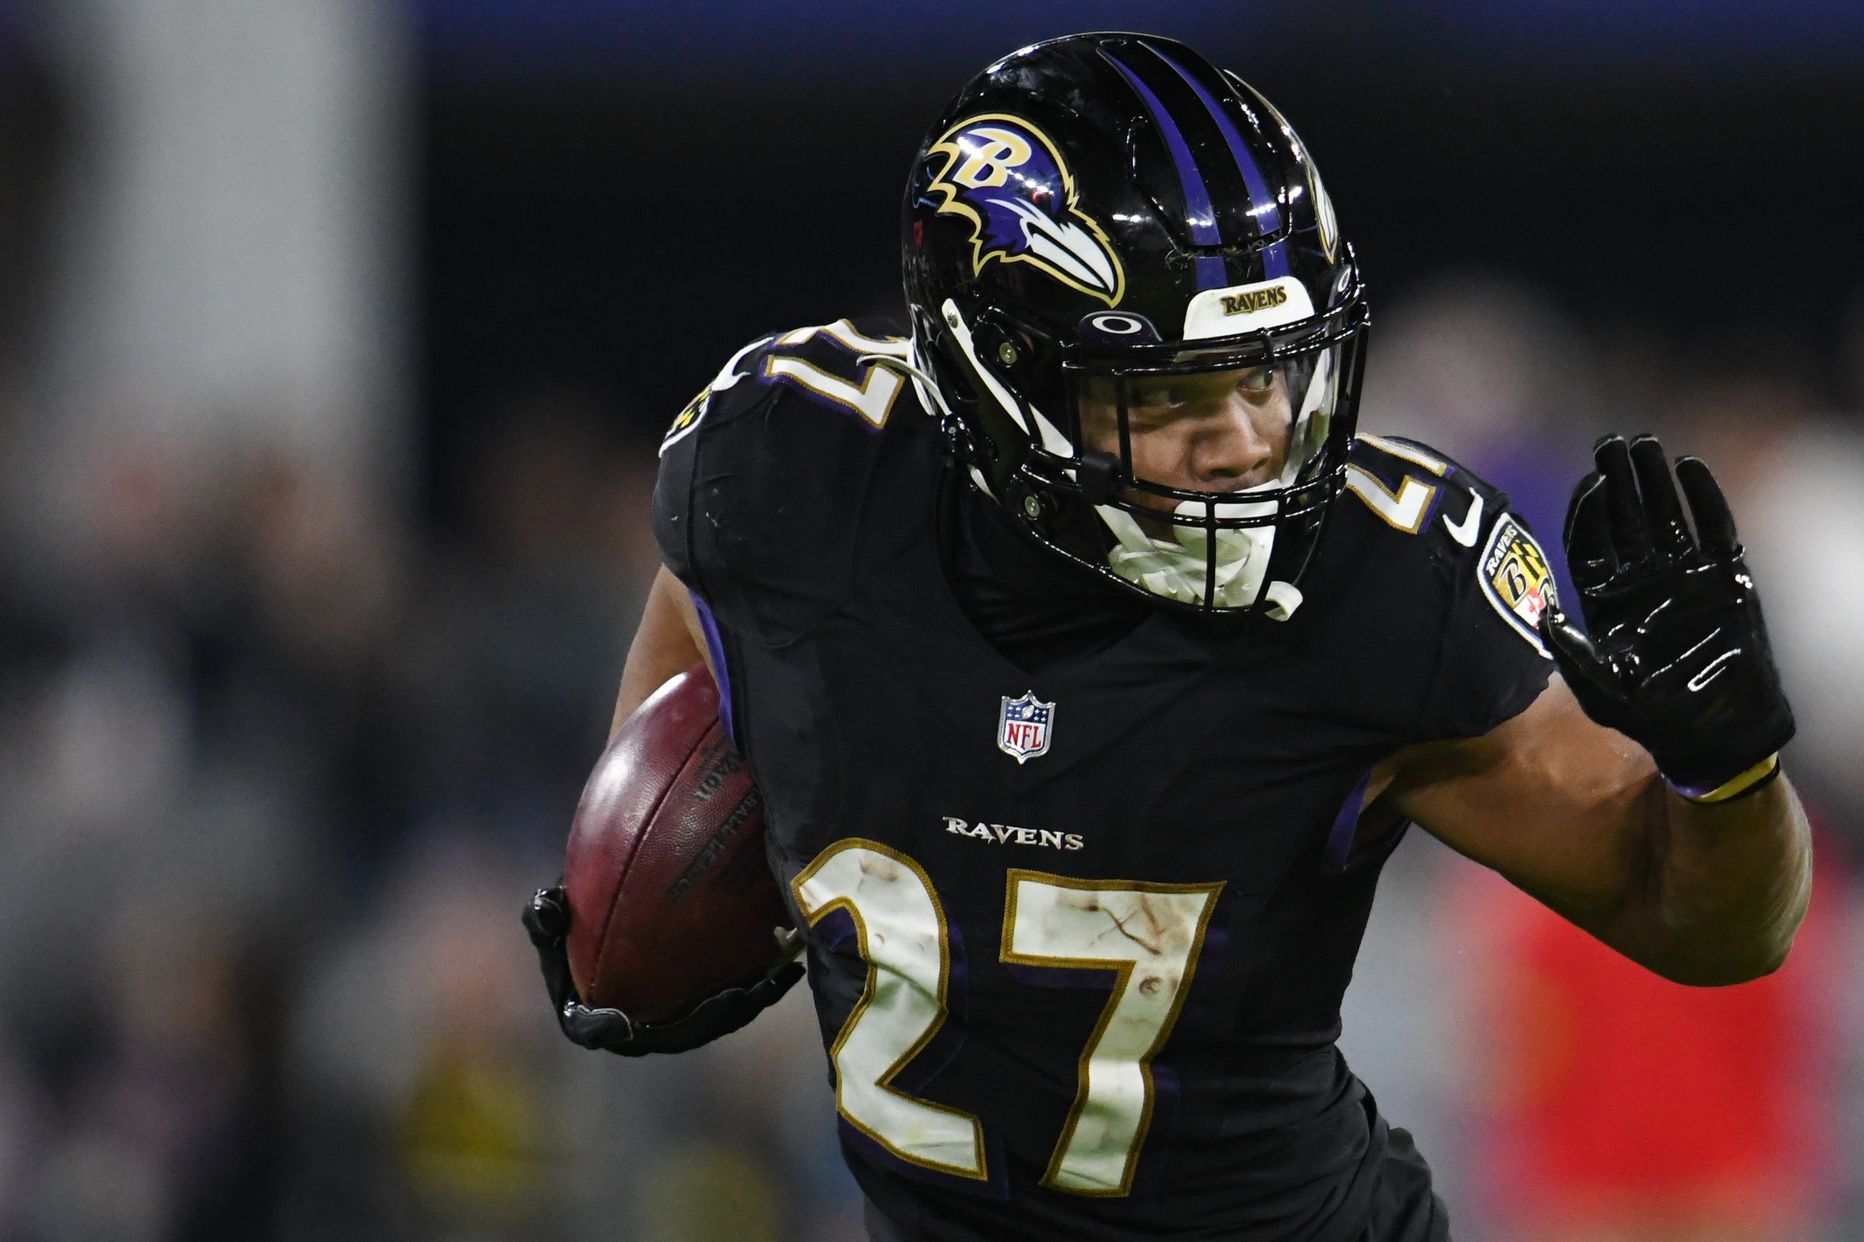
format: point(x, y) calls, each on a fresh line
point(1147, 935)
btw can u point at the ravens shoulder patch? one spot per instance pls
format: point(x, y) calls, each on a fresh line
point(1516, 578)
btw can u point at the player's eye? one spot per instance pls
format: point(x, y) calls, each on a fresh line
point(1257, 380)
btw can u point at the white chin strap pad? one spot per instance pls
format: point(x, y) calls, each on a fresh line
point(1174, 568)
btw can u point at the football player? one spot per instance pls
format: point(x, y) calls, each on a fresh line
point(1091, 667)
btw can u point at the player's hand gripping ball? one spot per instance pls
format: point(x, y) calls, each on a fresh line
point(666, 931)
point(1677, 656)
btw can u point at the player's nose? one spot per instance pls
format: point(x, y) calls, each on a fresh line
point(1229, 450)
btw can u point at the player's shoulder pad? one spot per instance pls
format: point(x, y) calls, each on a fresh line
point(1458, 521)
point(1417, 491)
point(839, 368)
point(766, 500)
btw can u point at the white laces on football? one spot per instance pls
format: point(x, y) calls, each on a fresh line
point(1175, 568)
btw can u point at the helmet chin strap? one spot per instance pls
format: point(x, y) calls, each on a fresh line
point(1046, 432)
point(927, 386)
point(1175, 568)
point(929, 395)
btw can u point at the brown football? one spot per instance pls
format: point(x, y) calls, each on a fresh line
point(670, 895)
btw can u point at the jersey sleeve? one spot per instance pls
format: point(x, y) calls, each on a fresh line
point(1491, 662)
point(763, 475)
point(704, 428)
point(1452, 649)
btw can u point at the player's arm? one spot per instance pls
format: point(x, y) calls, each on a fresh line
point(1577, 816)
point(1638, 795)
point(668, 641)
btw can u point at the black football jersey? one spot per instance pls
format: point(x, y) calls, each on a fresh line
point(1077, 936)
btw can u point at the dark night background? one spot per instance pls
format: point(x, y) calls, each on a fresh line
point(630, 226)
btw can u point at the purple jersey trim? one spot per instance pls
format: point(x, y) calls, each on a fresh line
point(1202, 216)
point(715, 646)
point(1346, 824)
point(1274, 257)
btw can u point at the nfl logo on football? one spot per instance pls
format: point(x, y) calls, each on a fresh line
point(1023, 727)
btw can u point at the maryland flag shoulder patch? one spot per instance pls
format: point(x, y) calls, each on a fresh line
point(1516, 578)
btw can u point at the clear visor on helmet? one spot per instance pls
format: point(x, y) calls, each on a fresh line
point(1195, 455)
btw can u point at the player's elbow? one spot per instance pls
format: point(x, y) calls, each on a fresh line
point(1765, 958)
point(1730, 965)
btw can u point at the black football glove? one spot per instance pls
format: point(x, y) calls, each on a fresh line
point(1678, 658)
point(547, 919)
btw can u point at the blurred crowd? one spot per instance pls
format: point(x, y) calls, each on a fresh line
point(282, 753)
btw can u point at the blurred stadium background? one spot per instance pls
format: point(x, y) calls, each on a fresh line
point(335, 336)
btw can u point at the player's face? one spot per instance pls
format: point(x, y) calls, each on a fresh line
point(1218, 431)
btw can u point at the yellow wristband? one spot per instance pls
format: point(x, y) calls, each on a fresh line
point(1739, 785)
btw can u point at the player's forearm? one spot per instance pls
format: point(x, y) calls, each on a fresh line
point(1675, 657)
point(667, 642)
point(1729, 884)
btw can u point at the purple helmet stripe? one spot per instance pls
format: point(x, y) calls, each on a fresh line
point(1274, 257)
point(1202, 215)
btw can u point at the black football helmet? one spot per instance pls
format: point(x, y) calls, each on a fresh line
point(1106, 211)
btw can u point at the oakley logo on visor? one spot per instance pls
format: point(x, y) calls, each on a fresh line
point(1117, 328)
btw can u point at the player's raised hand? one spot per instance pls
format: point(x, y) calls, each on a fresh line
point(1678, 658)
point(547, 920)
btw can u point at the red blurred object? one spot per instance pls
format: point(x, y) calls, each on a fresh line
point(1622, 1105)
point(670, 895)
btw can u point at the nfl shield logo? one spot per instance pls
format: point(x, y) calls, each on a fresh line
point(1023, 727)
